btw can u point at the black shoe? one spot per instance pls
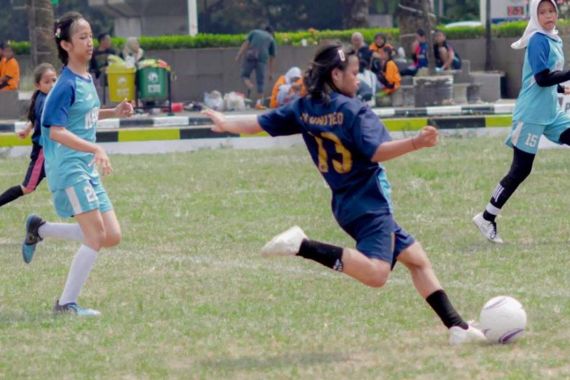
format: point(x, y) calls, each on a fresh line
point(33, 224)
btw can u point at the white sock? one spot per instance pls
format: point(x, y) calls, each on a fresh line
point(65, 231)
point(78, 272)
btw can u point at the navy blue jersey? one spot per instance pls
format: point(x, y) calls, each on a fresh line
point(38, 109)
point(341, 137)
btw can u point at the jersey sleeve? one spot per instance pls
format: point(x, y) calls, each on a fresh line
point(56, 108)
point(538, 52)
point(369, 132)
point(281, 121)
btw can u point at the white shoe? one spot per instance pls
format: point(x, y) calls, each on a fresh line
point(458, 335)
point(286, 243)
point(488, 229)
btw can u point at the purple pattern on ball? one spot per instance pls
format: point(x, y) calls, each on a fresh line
point(496, 303)
point(506, 338)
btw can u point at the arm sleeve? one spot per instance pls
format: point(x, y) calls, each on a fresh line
point(369, 132)
point(56, 108)
point(549, 78)
point(282, 121)
point(560, 89)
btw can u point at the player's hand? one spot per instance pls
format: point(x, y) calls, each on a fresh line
point(566, 90)
point(218, 118)
point(124, 109)
point(24, 133)
point(102, 161)
point(427, 137)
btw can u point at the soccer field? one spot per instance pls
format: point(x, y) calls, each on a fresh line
point(186, 294)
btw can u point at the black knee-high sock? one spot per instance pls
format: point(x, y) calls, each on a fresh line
point(326, 254)
point(9, 195)
point(520, 169)
point(444, 309)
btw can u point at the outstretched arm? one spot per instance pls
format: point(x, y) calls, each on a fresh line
point(247, 124)
point(392, 149)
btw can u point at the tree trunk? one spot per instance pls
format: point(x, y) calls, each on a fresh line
point(410, 19)
point(40, 26)
point(355, 13)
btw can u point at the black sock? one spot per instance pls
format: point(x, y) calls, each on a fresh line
point(326, 254)
point(444, 309)
point(488, 216)
point(11, 194)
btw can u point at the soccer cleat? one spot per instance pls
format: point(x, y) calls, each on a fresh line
point(459, 335)
point(33, 224)
point(487, 228)
point(286, 243)
point(74, 309)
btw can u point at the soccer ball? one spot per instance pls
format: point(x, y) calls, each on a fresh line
point(502, 320)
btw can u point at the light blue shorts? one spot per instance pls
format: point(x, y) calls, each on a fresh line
point(80, 198)
point(525, 136)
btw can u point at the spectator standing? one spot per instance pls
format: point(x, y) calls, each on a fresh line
point(132, 52)
point(446, 58)
point(258, 51)
point(100, 58)
point(10, 70)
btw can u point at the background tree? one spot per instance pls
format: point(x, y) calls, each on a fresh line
point(355, 13)
point(40, 25)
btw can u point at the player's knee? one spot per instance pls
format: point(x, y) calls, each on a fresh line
point(112, 238)
point(378, 278)
point(95, 238)
point(28, 190)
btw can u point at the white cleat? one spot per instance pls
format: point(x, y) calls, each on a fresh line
point(459, 336)
point(488, 229)
point(286, 243)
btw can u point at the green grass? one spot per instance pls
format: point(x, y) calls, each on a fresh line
point(186, 294)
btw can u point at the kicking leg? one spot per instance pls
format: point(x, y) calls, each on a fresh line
point(428, 286)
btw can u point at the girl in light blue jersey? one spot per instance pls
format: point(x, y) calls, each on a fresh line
point(72, 160)
point(537, 111)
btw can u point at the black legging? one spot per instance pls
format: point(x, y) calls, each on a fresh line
point(520, 169)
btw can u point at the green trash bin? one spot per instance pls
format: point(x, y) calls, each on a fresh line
point(152, 83)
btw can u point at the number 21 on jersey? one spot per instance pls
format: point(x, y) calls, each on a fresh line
point(341, 162)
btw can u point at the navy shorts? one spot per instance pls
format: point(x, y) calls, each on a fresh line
point(379, 237)
point(36, 171)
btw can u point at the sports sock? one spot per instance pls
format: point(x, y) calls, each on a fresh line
point(65, 231)
point(78, 272)
point(11, 194)
point(325, 254)
point(444, 309)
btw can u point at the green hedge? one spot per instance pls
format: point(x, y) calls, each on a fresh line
point(309, 37)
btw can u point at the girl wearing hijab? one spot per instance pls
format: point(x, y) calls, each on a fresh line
point(537, 111)
point(132, 52)
point(283, 85)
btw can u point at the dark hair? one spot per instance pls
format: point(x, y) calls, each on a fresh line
point(388, 50)
point(420, 32)
point(102, 36)
point(39, 72)
point(380, 35)
point(318, 79)
point(269, 29)
point(62, 32)
point(2, 44)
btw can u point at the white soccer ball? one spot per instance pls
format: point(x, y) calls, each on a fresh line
point(502, 320)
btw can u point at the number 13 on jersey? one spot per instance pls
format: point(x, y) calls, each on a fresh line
point(342, 160)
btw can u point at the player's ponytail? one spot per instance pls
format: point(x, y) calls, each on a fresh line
point(62, 31)
point(318, 78)
point(39, 72)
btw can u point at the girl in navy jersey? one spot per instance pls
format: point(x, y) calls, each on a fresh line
point(346, 141)
point(44, 78)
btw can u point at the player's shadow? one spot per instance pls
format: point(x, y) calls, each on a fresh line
point(278, 361)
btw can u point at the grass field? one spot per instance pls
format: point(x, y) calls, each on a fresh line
point(186, 294)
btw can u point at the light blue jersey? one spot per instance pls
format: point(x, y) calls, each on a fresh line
point(535, 104)
point(73, 104)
